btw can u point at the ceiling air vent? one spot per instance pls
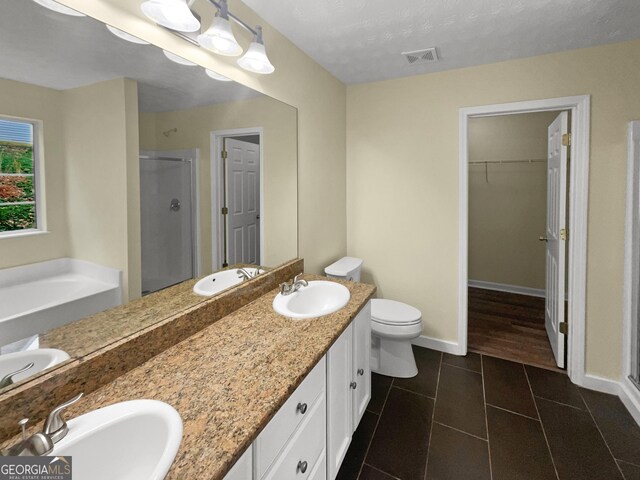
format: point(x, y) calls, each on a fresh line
point(420, 57)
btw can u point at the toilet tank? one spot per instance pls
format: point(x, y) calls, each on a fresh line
point(347, 268)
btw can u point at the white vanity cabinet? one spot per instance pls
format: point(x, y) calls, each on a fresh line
point(348, 387)
point(308, 437)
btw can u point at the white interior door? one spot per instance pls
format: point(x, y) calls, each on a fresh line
point(555, 235)
point(243, 202)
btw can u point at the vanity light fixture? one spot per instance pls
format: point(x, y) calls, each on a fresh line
point(173, 14)
point(126, 36)
point(58, 7)
point(256, 60)
point(217, 76)
point(178, 59)
point(218, 38)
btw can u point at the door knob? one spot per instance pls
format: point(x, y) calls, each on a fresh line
point(302, 408)
point(353, 385)
point(302, 467)
point(543, 239)
point(361, 371)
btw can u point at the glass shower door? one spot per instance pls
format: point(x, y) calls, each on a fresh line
point(166, 220)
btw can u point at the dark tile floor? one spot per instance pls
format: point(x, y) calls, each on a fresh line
point(482, 418)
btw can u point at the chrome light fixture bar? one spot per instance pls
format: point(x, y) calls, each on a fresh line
point(218, 38)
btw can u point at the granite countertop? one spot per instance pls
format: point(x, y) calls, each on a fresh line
point(228, 380)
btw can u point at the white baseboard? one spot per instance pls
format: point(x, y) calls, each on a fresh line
point(625, 390)
point(435, 344)
point(501, 287)
point(630, 396)
point(599, 384)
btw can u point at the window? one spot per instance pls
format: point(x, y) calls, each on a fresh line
point(18, 176)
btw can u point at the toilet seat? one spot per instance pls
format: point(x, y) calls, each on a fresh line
point(391, 312)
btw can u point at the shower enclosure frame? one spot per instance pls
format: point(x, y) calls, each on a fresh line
point(631, 313)
point(191, 156)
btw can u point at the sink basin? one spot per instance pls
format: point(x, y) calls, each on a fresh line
point(219, 281)
point(319, 298)
point(134, 440)
point(42, 358)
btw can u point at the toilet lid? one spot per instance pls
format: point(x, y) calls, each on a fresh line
point(391, 312)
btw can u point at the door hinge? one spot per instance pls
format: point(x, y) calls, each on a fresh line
point(225, 211)
point(224, 154)
point(564, 234)
point(566, 139)
point(563, 328)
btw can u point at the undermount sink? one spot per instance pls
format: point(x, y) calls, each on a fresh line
point(41, 358)
point(219, 281)
point(318, 298)
point(134, 440)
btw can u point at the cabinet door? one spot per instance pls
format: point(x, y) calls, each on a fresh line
point(339, 400)
point(243, 469)
point(361, 363)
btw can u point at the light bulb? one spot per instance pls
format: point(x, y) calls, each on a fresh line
point(256, 60)
point(219, 38)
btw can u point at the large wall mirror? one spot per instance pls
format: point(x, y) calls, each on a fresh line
point(114, 188)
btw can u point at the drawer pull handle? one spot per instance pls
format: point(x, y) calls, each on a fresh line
point(361, 371)
point(302, 467)
point(353, 385)
point(302, 408)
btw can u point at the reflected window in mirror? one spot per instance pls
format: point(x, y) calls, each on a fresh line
point(19, 168)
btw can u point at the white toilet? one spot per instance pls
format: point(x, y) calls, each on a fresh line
point(393, 326)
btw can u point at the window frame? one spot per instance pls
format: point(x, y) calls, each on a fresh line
point(38, 183)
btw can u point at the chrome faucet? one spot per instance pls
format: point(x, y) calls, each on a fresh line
point(8, 379)
point(294, 286)
point(42, 443)
point(246, 275)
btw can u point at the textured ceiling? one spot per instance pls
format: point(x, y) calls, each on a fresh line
point(48, 49)
point(361, 40)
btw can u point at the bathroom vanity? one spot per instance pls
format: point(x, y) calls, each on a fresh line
point(237, 384)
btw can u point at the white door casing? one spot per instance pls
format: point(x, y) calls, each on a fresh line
point(556, 235)
point(243, 202)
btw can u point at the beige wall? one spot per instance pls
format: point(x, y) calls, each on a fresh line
point(298, 81)
point(102, 177)
point(402, 179)
point(280, 164)
point(507, 202)
point(44, 104)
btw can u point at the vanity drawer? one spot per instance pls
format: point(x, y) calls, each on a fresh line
point(276, 434)
point(299, 460)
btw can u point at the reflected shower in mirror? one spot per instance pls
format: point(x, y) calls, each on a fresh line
point(126, 174)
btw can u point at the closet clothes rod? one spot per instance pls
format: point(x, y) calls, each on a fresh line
point(498, 162)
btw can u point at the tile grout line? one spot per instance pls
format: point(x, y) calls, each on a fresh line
point(381, 471)
point(461, 368)
point(486, 418)
point(433, 416)
point(535, 404)
point(602, 435)
point(461, 431)
point(375, 429)
point(624, 461)
point(559, 403)
point(411, 391)
point(511, 411)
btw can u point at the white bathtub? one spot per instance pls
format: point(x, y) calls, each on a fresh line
point(42, 296)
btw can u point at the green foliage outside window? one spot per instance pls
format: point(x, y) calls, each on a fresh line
point(16, 185)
